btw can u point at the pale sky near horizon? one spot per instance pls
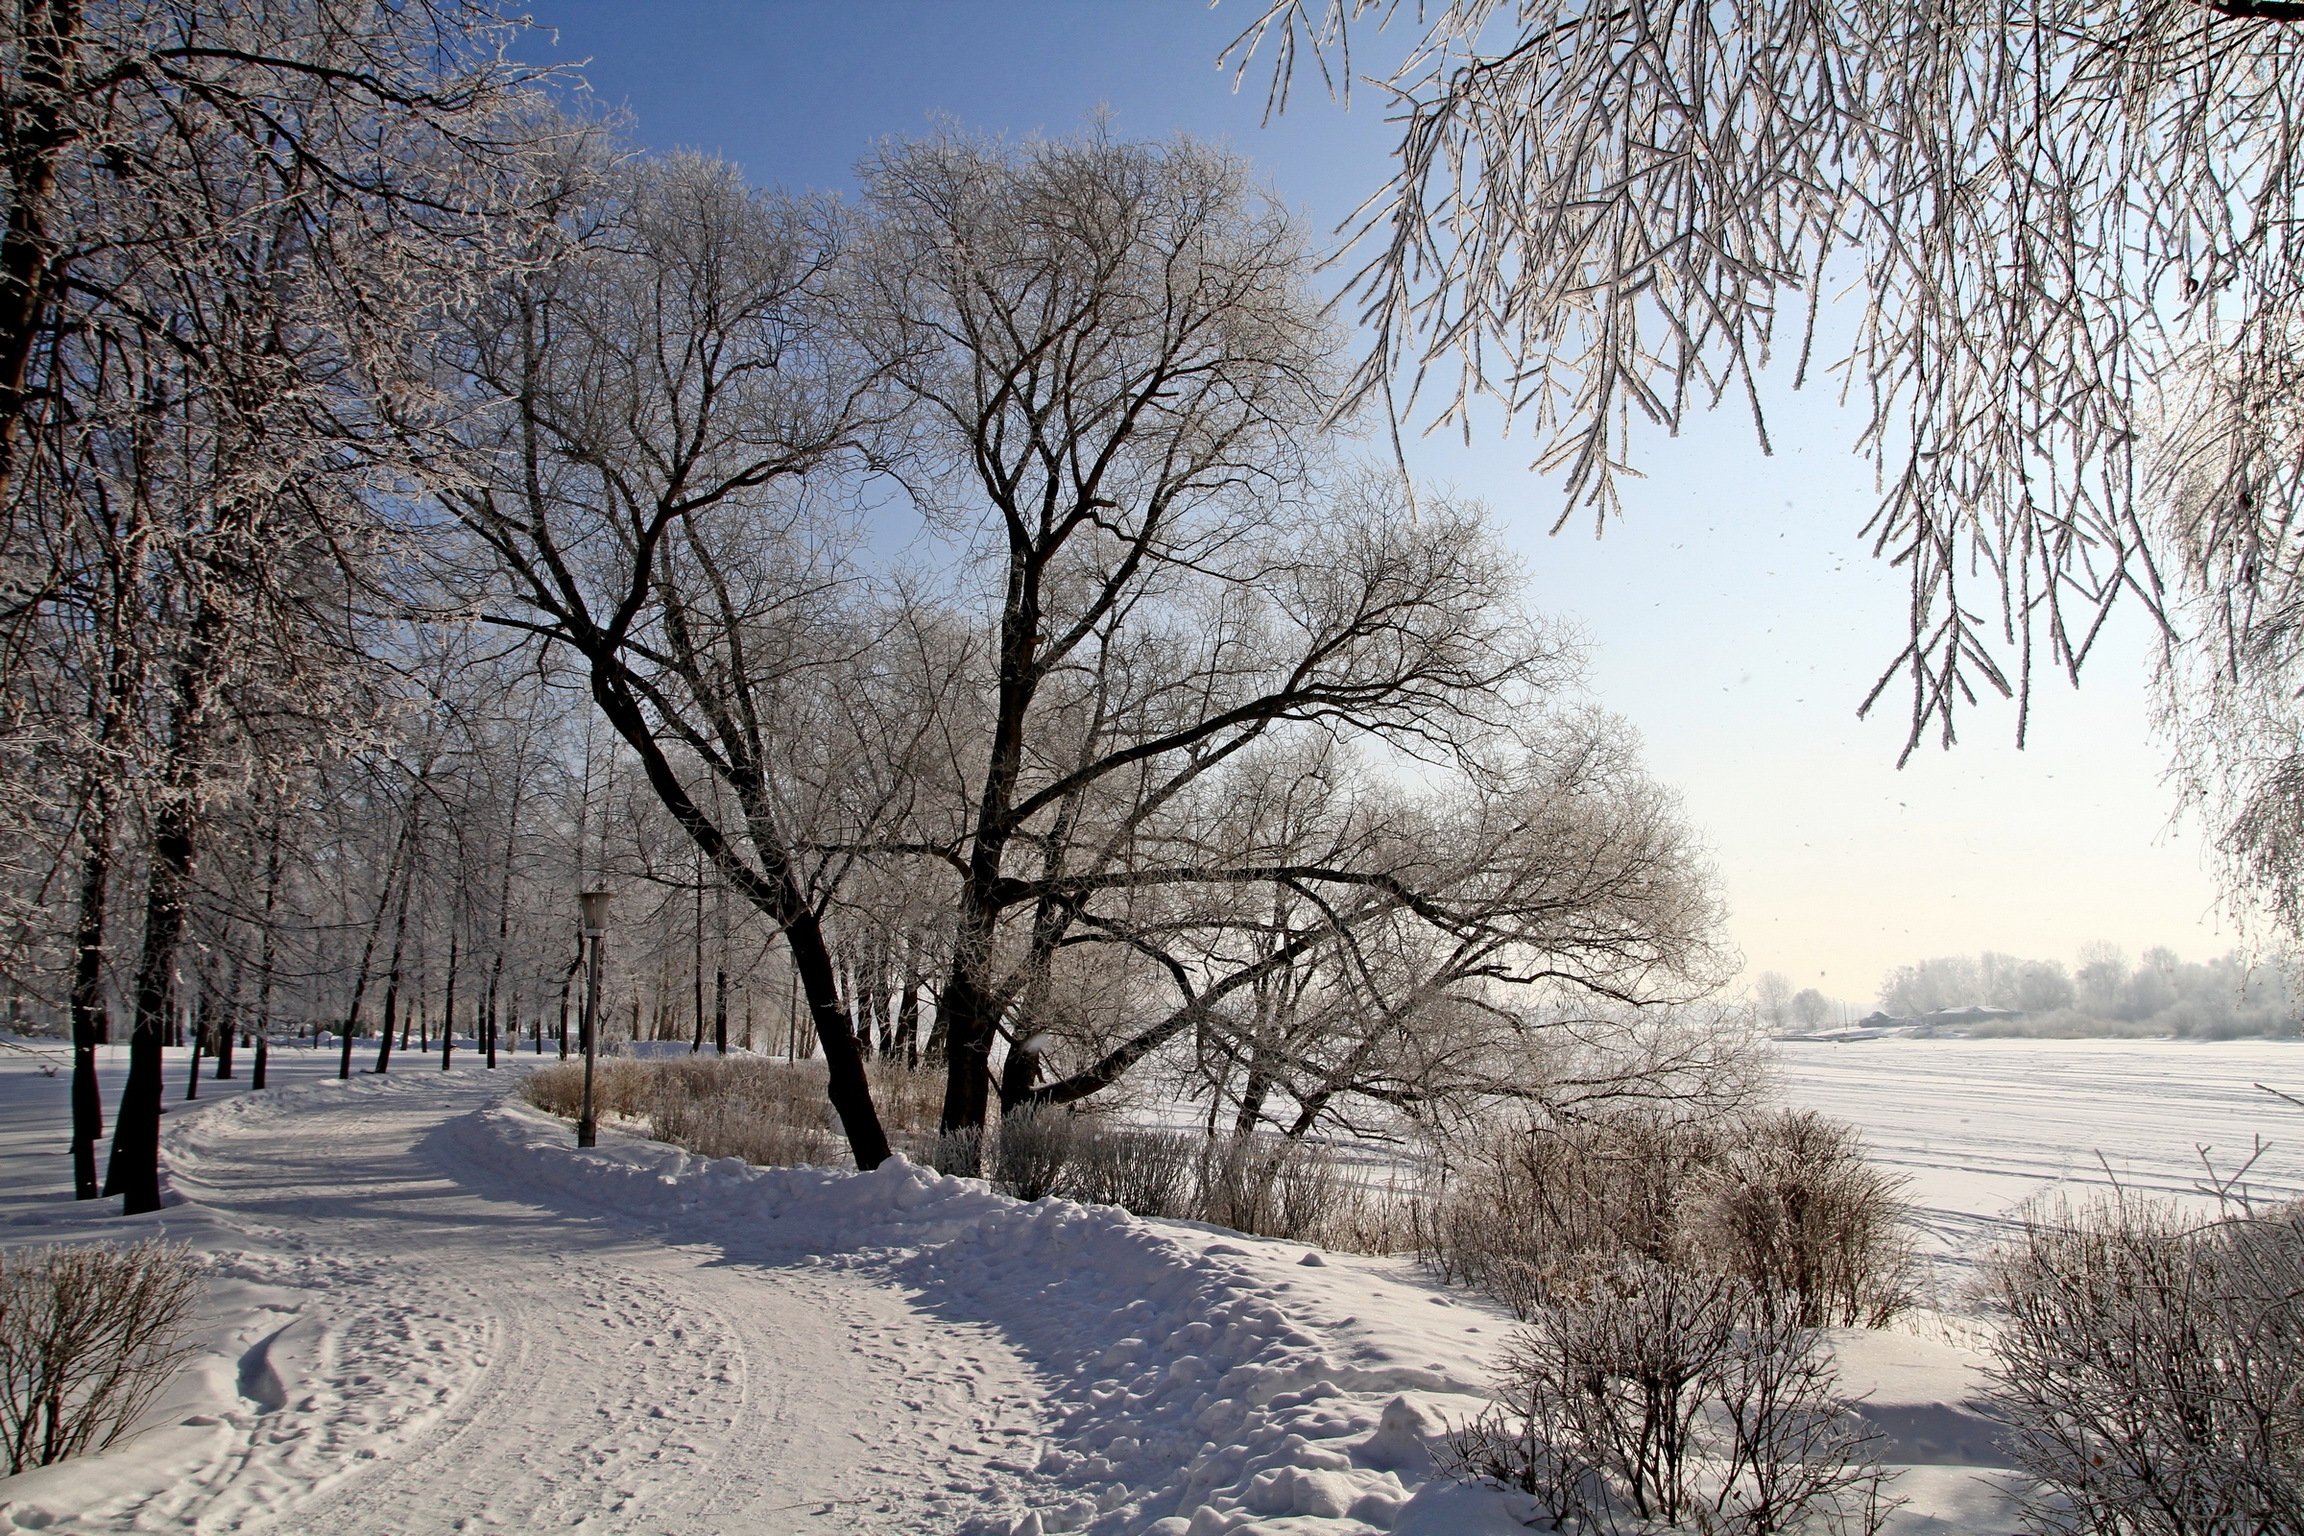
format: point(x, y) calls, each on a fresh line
point(1735, 615)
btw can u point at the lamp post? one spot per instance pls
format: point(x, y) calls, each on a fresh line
point(595, 905)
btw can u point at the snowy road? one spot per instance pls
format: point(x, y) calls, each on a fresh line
point(472, 1352)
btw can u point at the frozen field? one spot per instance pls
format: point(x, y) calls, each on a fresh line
point(429, 1313)
point(1983, 1126)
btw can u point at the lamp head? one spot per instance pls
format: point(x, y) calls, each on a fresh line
point(595, 905)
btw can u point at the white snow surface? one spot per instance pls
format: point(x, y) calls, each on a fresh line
point(1984, 1129)
point(429, 1312)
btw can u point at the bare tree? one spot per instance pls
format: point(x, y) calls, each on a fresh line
point(650, 399)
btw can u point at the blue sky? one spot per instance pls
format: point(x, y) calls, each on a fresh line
point(1736, 618)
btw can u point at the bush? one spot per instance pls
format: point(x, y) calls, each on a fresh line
point(1147, 1172)
point(1796, 1212)
point(1652, 1397)
point(1784, 1201)
point(2151, 1369)
point(87, 1335)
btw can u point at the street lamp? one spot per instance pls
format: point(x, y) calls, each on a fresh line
point(595, 905)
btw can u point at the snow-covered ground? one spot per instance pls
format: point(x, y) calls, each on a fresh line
point(1982, 1127)
point(430, 1313)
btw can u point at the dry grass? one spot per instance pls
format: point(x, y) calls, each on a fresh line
point(1264, 1186)
point(774, 1114)
point(768, 1112)
point(88, 1333)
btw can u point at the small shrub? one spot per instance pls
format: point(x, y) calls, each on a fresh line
point(2151, 1369)
point(1799, 1214)
point(1651, 1397)
point(1032, 1155)
point(1786, 1202)
point(1147, 1172)
point(88, 1333)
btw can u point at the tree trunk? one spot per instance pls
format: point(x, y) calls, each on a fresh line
point(200, 1026)
point(47, 40)
point(87, 1004)
point(134, 1170)
point(696, 957)
point(968, 1017)
point(220, 1038)
point(392, 976)
point(448, 1008)
point(1017, 1074)
point(1252, 1097)
point(268, 962)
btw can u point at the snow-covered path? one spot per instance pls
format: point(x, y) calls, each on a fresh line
point(626, 1384)
point(471, 1351)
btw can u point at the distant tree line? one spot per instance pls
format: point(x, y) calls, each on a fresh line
point(2103, 994)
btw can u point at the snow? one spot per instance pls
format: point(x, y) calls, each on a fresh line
point(1982, 1128)
point(429, 1311)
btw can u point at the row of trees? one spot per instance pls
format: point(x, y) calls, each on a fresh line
point(975, 601)
point(2104, 993)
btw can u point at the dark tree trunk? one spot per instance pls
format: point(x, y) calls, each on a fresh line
point(199, 1043)
point(220, 1036)
point(392, 977)
point(566, 982)
point(1018, 1073)
point(88, 1022)
point(696, 955)
point(134, 1170)
point(968, 1017)
point(392, 871)
point(448, 1008)
point(1252, 1096)
point(720, 1011)
point(47, 38)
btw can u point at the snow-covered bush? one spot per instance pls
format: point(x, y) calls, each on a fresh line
point(2151, 1369)
point(88, 1333)
point(1797, 1212)
point(1785, 1201)
point(1650, 1397)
